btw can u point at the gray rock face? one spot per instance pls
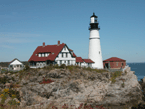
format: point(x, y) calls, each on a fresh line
point(81, 87)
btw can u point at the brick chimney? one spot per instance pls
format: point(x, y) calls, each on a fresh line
point(43, 44)
point(58, 43)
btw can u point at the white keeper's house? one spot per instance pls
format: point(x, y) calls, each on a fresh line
point(56, 54)
point(16, 65)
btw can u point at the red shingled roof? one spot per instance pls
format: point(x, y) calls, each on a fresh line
point(79, 59)
point(52, 49)
point(88, 61)
point(70, 49)
point(74, 55)
point(114, 59)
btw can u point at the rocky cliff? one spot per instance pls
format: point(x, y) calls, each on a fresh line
point(73, 87)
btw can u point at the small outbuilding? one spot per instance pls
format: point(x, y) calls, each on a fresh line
point(114, 63)
point(15, 64)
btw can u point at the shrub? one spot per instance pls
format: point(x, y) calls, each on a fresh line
point(13, 94)
point(115, 75)
point(3, 80)
point(27, 67)
point(63, 66)
point(70, 67)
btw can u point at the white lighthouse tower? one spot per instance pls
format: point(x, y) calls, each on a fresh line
point(95, 53)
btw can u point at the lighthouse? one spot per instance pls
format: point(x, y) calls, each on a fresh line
point(95, 53)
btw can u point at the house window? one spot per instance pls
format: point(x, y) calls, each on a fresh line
point(62, 54)
point(68, 62)
point(64, 61)
point(39, 54)
point(46, 54)
point(42, 54)
point(99, 52)
point(66, 54)
point(60, 62)
point(64, 48)
point(116, 63)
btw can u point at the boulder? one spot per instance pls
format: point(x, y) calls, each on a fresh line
point(144, 80)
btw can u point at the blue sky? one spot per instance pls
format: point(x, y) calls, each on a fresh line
point(26, 24)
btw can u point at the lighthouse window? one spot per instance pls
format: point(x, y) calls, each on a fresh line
point(95, 20)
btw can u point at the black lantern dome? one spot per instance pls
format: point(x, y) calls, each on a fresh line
point(94, 22)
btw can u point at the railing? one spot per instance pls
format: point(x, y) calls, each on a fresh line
point(114, 70)
point(125, 68)
point(37, 66)
point(10, 69)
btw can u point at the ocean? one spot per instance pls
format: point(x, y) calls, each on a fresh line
point(139, 69)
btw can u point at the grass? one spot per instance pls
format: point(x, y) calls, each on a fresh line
point(115, 75)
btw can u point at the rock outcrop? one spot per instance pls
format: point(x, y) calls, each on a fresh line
point(76, 87)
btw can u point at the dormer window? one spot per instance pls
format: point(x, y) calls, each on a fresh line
point(64, 48)
point(42, 54)
point(39, 55)
point(46, 54)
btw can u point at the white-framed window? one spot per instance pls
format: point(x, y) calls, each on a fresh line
point(60, 62)
point(39, 55)
point(46, 55)
point(68, 62)
point(37, 64)
point(66, 54)
point(42, 54)
point(62, 54)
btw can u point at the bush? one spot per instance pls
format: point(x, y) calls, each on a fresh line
point(3, 80)
point(70, 67)
point(27, 67)
point(63, 66)
point(115, 75)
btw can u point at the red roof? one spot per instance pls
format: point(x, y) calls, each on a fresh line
point(79, 59)
point(88, 61)
point(114, 59)
point(74, 55)
point(70, 49)
point(52, 49)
